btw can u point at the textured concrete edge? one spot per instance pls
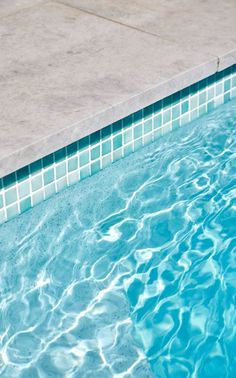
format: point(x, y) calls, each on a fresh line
point(97, 121)
point(227, 60)
point(35, 183)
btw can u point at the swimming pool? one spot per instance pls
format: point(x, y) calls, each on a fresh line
point(130, 273)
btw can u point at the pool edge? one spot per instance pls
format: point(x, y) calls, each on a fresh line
point(34, 183)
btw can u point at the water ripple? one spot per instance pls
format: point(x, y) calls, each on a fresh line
point(130, 273)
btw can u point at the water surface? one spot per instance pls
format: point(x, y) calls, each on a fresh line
point(130, 273)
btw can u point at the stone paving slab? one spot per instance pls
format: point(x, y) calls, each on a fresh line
point(65, 73)
point(202, 25)
point(9, 7)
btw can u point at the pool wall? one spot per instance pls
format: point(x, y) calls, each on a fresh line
point(28, 186)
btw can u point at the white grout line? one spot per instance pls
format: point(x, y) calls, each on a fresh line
point(192, 113)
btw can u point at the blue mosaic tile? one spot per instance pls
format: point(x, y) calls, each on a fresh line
point(49, 190)
point(138, 116)
point(128, 149)
point(106, 147)
point(61, 184)
point(84, 158)
point(12, 211)
point(157, 106)
point(38, 197)
point(106, 161)
point(127, 121)
point(73, 177)
point(95, 137)
point(25, 204)
point(1, 201)
point(11, 196)
point(61, 170)
point(22, 174)
point(95, 167)
point(117, 154)
point(24, 189)
point(72, 149)
point(35, 167)
point(83, 143)
point(167, 115)
point(37, 183)
point(33, 184)
point(116, 127)
point(137, 131)
point(95, 153)
point(73, 164)
point(48, 176)
point(85, 172)
point(60, 155)
point(148, 126)
point(2, 216)
point(128, 136)
point(9, 180)
point(48, 160)
point(106, 132)
point(157, 121)
point(148, 111)
point(117, 142)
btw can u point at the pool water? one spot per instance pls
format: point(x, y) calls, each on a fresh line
point(132, 272)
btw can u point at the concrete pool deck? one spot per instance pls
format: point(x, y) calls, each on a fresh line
point(71, 67)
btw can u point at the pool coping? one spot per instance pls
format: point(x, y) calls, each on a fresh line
point(84, 127)
point(34, 147)
point(38, 181)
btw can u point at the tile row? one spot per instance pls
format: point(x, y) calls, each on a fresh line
point(36, 182)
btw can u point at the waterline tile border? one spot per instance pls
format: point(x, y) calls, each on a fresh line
point(36, 182)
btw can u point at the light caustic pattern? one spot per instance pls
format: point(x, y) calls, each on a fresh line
point(130, 273)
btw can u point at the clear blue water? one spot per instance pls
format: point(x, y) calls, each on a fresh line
point(131, 273)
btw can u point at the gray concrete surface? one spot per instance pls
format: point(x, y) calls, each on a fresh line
point(70, 67)
point(202, 25)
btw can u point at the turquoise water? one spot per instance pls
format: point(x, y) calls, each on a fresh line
point(130, 273)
